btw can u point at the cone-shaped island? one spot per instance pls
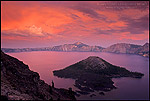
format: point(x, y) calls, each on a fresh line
point(94, 73)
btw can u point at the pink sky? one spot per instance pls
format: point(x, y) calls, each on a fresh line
point(49, 23)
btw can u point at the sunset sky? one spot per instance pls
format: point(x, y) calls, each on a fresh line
point(49, 23)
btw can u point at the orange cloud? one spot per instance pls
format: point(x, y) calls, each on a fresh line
point(32, 15)
point(70, 21)
point(127, 35)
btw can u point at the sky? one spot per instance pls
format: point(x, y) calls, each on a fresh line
point(50, 23)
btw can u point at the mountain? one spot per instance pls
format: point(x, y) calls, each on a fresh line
point(81, 47)
point(143, 50)
point(145, 47)
point(78, 46)
point(122, 48)
point(15, 50)
point(18, 82)
point(94, 73)
point(129, 49)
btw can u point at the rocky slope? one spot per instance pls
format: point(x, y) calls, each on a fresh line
point(143, 50)
point(129, 49)
point(122, 48)
point(94, 73)
point(18, 82)
point(78, 46)
point(15, 50)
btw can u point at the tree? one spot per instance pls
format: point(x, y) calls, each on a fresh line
point(52, 84)
point(50, 89)
point(70, 90)
point(58, 98)
point(51, 99)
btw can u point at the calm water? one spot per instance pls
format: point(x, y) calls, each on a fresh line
point(45, 62)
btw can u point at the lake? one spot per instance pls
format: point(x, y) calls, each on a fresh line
point(44, 62)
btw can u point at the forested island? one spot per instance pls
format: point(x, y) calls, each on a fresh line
point(94, 73)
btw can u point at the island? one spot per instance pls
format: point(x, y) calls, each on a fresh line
point(94, 74)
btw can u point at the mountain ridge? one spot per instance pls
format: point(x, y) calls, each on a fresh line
point(125, 48)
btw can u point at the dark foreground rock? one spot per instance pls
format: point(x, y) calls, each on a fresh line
point(18, 82)
point(101, 93)
point(94, 73)
point(82, 92)
point(92, 95)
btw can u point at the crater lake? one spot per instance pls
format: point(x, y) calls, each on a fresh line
point(45, 62)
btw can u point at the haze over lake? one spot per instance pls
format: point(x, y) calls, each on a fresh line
point(44, 62)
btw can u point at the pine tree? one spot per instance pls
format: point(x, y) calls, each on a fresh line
point(52, 84)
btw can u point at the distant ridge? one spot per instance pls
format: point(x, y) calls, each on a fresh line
point(81, 47)
point(129, 49)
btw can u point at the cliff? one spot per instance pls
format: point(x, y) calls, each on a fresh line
point(18, 82)
point(129, 49)
point(81, 47)
point(78, 46)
